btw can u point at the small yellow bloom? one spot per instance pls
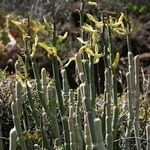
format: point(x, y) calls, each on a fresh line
point(88, 28)
point(34, 46)
point(20, 80)
point(97, 55)
point(20, 25)
point(51, 50)
point(38, 27)
point(116, 61)
point(29, 84)
point(90, 17)
point(61, 38)
point(89, 51)
point(98, 24)
point(118, 26)
point(87, 48)
point(81, 40)
point(94, 38)
point(92, 3)
point(83, 47)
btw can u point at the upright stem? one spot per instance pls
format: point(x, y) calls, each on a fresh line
point(89, 111)
point(114, 84)
point(16, 107)
point(86, 62)
point(128, 30)
point(104, 42)
point(82, 17)
point(91, 84)
point(55, 68)
point(148, 136)
point(51, 93)
point(137, 103)
point(108, 118)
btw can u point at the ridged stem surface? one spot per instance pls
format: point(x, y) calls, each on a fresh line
point(12, 139)
point(98, 127)
point(16, 107)
point(148, 136)
point(88, 110)
point(108, 118)
point(137, 103)
point(51, 95)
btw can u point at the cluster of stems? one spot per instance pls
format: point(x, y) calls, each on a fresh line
point(67, 119)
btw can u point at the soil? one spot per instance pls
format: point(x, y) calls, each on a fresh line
point(68, 19)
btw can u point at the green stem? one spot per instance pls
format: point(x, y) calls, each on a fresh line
point(113, 83)
point(12, 139)
point(52, 104)
point(128, 30)
point(91, 84)
point(137, 104)
point(148, 136)
point(89, 111)
point(16, 107)
point(108, 117)
point(32, 106)
point(55, 69)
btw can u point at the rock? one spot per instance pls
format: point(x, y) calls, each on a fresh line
point(9, 56)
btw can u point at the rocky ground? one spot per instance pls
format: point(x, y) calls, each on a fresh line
point(67, 19)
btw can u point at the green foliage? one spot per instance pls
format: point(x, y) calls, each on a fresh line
point(139, 8)
point(2, 74)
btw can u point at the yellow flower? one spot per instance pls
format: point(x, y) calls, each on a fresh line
point(92, 3)
point(86, 45)
point(94, 38)
point(118, 25)
point(87, 48)
point(61, 38)
point(34, 46)
point(36, 27)
point(97, 55)
point(88, 28)
point(81, 40)
point(98, 24)
point(116, 61)
point(20, 25)
point(90, 17)
point(51, 50)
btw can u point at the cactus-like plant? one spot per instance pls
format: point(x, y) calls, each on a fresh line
point(13, 139)
point(78, 122)
point(137, 103)
point(99, 136)
point(71, 128)
point(148, 136)
point(89, 111)
point(87, 136)
point(53, 117)
point(108, 118)
point(16, 107)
